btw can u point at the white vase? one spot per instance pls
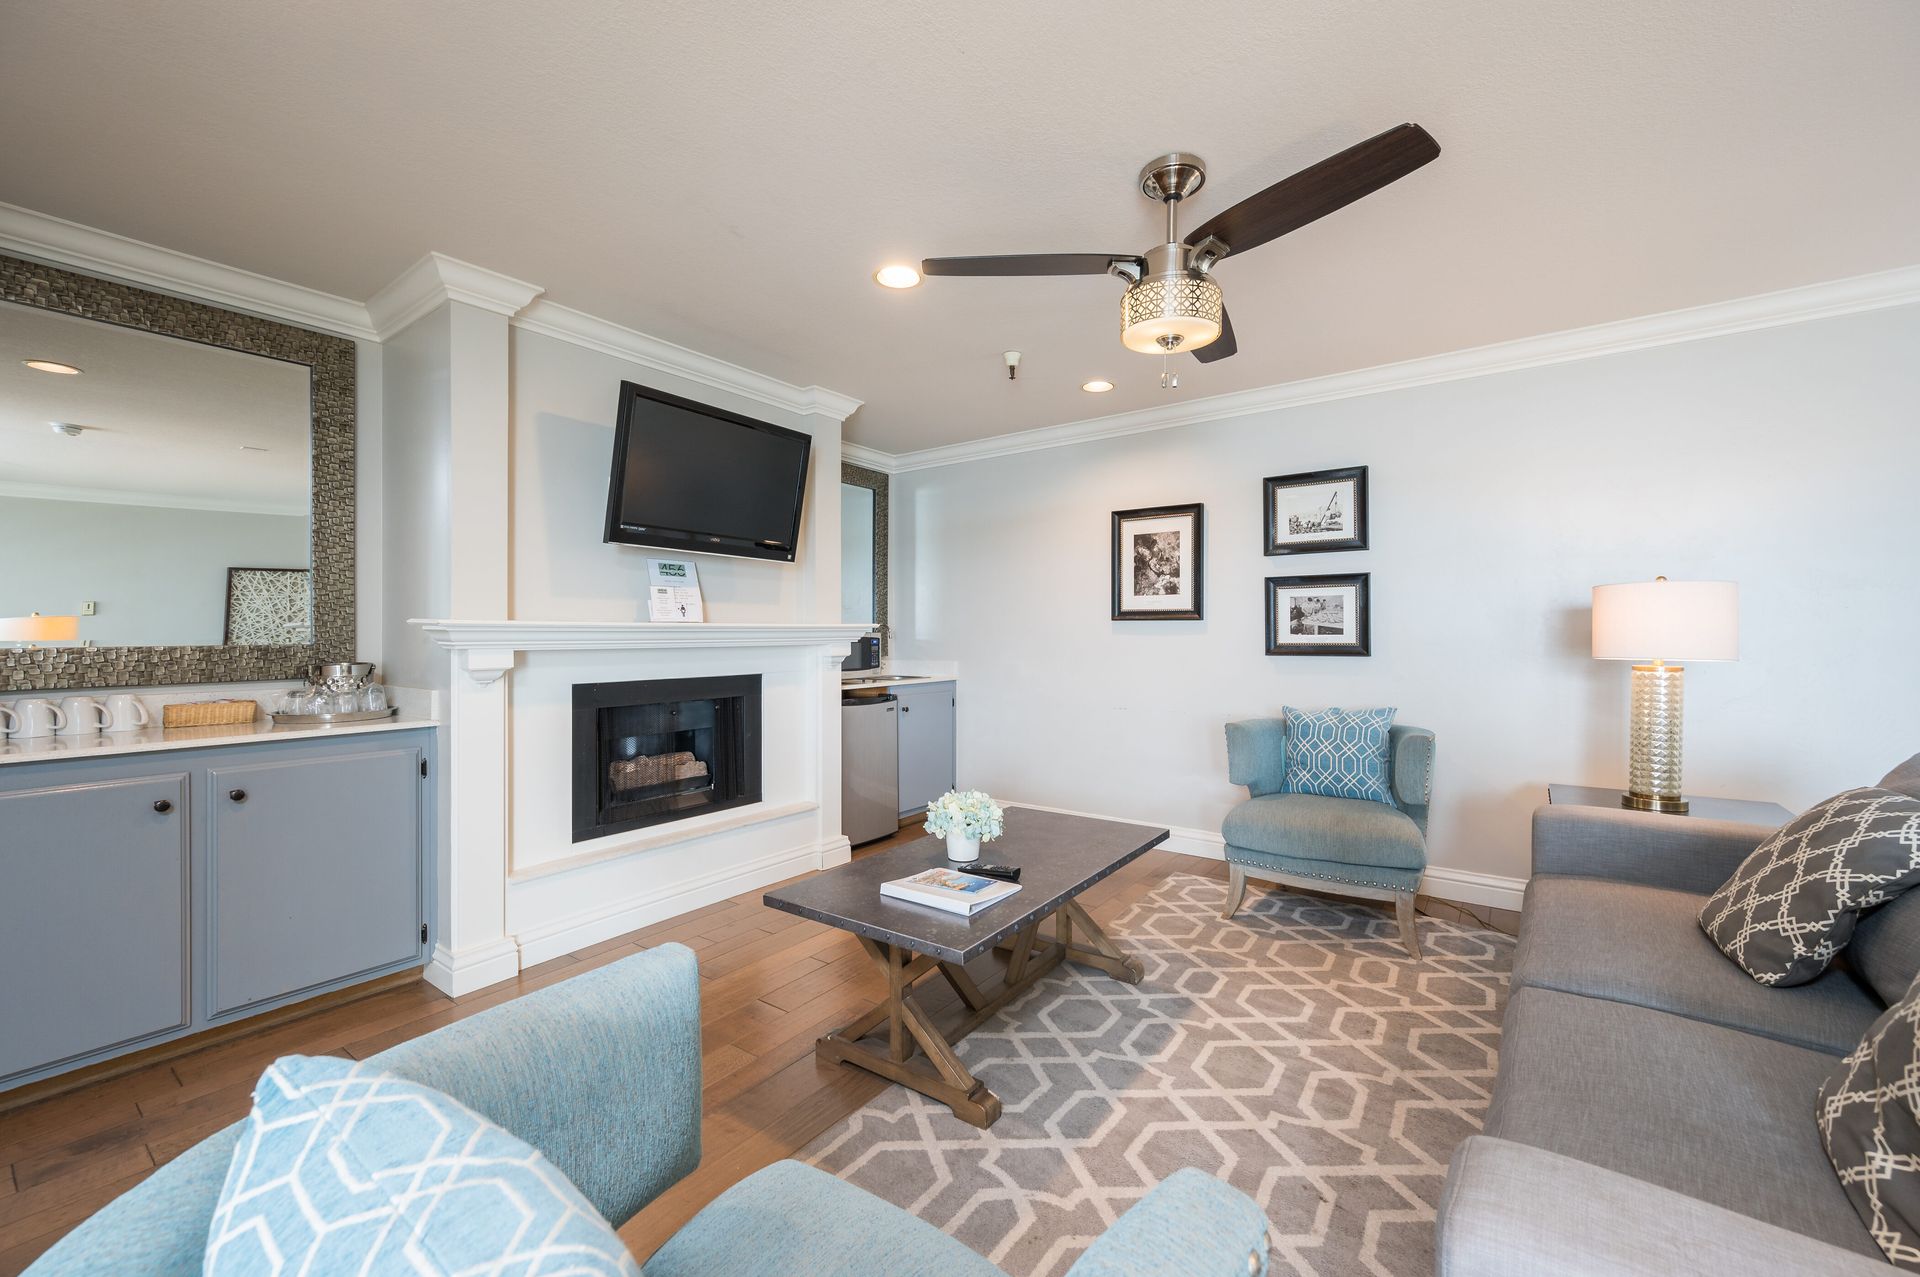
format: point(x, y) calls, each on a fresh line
point(962, 849)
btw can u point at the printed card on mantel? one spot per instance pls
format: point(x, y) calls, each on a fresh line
point(673, 591)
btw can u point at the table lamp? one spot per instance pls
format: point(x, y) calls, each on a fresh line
point(1652, 623)
point(35, 628)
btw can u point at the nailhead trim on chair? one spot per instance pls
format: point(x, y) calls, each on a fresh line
point(1301, 873)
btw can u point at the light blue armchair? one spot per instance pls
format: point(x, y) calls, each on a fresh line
point(1350, 846)
point(602, 1074)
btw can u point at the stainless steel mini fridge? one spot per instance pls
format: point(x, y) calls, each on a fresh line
point(869, 767)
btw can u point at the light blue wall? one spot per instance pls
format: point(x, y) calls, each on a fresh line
point(157, 576)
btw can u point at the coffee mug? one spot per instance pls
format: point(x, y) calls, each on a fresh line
point(126, 713)
point(85, 716)
point(9, 721)
point(37, 717)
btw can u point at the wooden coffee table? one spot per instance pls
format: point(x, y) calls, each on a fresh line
point(1059, 856)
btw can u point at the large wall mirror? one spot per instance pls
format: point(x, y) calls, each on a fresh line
point(863, 548)
point(177, 488)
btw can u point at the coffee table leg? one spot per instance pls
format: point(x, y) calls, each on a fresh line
point(908, 1026)
point(1096, 950)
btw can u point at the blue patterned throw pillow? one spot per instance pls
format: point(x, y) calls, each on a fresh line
point(345, 1169)
point(1338, 753)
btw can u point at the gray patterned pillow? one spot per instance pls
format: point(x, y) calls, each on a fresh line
point(1871, 1130)
point(1791, 905)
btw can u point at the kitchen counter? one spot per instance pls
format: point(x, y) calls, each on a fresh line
point(147, 740)
point(869, 679)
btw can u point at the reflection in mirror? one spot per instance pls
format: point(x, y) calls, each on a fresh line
point(856, 554)
point(161, 492)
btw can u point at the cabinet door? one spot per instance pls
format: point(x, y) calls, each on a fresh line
point(313, 873)
point(94, 917)
point(926, 745)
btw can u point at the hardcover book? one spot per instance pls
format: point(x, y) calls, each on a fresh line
point(949, 889)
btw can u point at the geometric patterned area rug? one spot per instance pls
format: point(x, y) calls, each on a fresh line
point(1295, 1052)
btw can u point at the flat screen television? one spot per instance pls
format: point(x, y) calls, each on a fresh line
point(689, 476)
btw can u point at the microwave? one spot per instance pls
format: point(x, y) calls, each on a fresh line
point(864, 654)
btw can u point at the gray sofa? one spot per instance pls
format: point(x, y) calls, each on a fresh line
point(1654, 1110)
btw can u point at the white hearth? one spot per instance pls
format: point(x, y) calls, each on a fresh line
point(514, 889)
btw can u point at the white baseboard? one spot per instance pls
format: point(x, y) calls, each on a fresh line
point(607, 921)
point(457, 973)
point(1462, 886)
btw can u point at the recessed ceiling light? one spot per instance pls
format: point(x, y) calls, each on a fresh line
point(251, 447)
point(1098, 386)
point(51, 365)
point(896, 277)
point(66, 428)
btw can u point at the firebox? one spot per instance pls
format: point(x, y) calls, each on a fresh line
point(648, 752)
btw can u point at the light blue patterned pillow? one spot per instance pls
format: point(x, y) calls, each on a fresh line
point(345, 1169)
point(1339, 753)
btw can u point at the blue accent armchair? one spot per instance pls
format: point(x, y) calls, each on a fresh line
point(602, 1074)
point(1351, 846)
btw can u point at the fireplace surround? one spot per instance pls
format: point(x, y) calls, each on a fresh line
point(656, 750)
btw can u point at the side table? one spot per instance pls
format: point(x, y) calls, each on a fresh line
point(1744, 810)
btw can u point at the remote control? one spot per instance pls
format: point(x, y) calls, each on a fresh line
point(1009, 872)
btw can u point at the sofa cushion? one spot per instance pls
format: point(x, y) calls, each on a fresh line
point(1318, 828)
point(1885, 949)
point(1629, 943)
point(1870, 1124)
point(790, 1218)
point(1338, 753)
point(342, 1167)
point(1792, 905)
point(1904, 779)
point(1711, 1112)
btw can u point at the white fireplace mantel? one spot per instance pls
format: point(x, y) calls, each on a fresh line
point(510, 898)
point(601, 636)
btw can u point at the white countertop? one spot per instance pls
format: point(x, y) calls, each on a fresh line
point(867, 678)
point(148, 740)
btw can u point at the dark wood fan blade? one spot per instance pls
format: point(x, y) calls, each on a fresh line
point(1223, 345)
point(1326, 187)
point(1026, 264)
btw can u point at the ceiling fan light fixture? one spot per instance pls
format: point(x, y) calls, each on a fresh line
point(1171, 313)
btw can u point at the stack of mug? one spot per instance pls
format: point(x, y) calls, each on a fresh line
point(72, 716)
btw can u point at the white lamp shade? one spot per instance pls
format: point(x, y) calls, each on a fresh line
point(39, 629)
point(1667, 621)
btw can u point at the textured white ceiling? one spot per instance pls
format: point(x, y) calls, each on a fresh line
point(727, 175)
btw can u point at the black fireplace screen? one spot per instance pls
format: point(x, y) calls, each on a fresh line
point(664, 749)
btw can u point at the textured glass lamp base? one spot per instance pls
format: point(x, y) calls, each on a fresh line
point(1653, 750)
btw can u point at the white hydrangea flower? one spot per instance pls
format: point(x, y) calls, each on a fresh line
point(969, 813)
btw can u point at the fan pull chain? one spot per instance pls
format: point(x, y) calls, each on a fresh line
point(1169, 380)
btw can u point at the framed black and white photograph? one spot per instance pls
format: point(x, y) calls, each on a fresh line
point(1316, 512)
point(1319, 615)
point(1158, 563)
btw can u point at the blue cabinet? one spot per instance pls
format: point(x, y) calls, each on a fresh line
point(926, 744)
point(144, 897)
point(95, 918)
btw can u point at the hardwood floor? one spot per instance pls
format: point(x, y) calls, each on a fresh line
point(770, 984)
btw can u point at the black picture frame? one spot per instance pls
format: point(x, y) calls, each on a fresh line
point(1122, 564)
point(1279, 588)
point(1356, 476)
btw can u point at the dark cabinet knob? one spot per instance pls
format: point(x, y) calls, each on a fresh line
point(906, 709)
point(238, 795)
point(162, 806)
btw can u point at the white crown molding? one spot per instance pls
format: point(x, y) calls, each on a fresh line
point(600, 636)
point(58, 242)
point(1794, 305)
point(578, 328)
point(437, 278)
point(871, 458)
point(161, 500)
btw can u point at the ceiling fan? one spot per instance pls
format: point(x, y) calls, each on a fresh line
point(1172, 303)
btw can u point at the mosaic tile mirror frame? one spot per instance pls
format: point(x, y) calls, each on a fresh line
point(330, 361)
